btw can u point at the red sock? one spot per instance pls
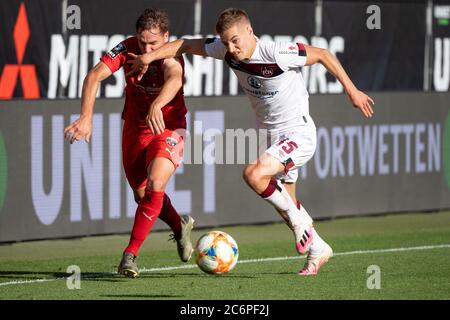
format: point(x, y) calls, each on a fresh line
point(170, 216)
point(271, 187)
point(299, 205)
point(146, 214)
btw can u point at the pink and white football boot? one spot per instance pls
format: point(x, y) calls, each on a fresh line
point(314, 262)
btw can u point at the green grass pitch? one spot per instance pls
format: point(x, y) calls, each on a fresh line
point(411, 250)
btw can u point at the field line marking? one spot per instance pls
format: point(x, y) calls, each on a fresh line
point(303, 256)
point(190, 266)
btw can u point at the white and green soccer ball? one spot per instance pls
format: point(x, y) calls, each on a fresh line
point(216, 252)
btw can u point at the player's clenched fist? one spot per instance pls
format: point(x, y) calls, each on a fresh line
point(79, 129)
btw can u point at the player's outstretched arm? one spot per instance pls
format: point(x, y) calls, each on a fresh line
point(358, 98)
point(139, 63)
point(83, 125)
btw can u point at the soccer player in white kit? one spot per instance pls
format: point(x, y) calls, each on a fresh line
point(270, 75)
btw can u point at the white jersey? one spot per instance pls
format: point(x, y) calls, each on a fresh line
point(272, 80)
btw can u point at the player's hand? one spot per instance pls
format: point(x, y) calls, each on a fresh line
point(155, 120)
point(363, 102)
point(139, 65)
point(78, 129)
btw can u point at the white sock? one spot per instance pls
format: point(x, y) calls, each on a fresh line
point(317, 245)
point(304, 216)
point(279, 201)
point(282, 201)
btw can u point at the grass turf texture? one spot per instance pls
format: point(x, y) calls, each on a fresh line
point(414, 274)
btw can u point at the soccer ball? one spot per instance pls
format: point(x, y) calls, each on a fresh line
point(216, 252)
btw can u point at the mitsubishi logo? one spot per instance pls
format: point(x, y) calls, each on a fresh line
point(26, 72)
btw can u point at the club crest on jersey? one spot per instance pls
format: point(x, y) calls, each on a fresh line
point(266, 71)
point(171, 141)
point(253, 82)
point(116, 50)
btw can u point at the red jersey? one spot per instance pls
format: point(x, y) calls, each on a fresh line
point(139, 95)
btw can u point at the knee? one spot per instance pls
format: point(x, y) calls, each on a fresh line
point(251, 174)
point(156, 183)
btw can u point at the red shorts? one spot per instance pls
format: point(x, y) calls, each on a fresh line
point(140, 148)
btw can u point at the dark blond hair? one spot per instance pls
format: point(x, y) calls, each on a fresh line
point(230, 17)
point(153, 18)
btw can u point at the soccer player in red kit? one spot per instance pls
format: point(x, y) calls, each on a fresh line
point(152, 144)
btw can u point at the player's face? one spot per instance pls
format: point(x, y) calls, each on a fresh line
point(151, 39)
point(239, 40)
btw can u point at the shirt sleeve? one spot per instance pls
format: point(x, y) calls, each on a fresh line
point(215, 48)
point(289, 55)
point(116, 57)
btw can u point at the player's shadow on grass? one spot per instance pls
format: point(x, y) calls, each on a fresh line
point(109, 276)
point(22, 274)
point(192, 274)
point(32, 275)
point(144, 296)
point(290, 273)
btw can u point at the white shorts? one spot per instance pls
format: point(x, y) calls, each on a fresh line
point(293, 149)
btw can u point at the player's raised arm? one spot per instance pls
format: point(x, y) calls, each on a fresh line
point(358, 98)
point(81, 128)
point(139, 63)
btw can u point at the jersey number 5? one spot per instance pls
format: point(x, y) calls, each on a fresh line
point(291, 145)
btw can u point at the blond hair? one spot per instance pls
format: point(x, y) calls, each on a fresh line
point(230, 17)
